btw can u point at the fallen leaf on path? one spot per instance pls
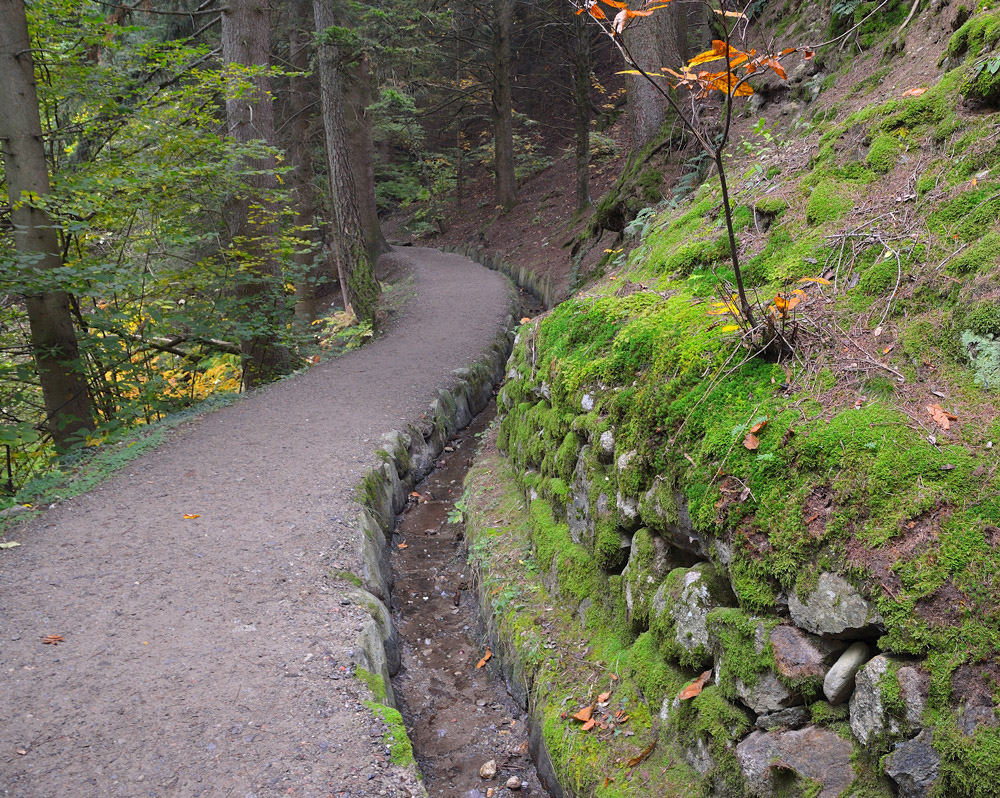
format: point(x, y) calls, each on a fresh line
point(403, 545)
point(589, 725)
point(695, 687)
point(751, 441)
point(914, 92)
point(584, 714)
point(642, 755)
point(486, 658)
point(526, 319)
point(603, 697)
point(53, 640)
point(758, 426)
point(10, 544)
point(189, 516)
point(614, 677)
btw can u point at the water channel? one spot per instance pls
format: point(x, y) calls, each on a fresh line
point(460, 717)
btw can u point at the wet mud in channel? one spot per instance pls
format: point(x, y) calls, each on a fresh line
point(469, 736)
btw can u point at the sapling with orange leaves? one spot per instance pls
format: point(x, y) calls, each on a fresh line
point(725, 69)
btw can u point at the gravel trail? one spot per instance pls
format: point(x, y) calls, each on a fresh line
point(209, 656)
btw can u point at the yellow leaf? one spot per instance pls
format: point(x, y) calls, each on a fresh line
point(819, 280)
point(731, 328)
point(189, 516)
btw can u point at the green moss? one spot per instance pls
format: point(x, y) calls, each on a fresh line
point(983, 82)
point(969, 216)
point(566, 456)
point(374, 683)
point(697, 255)
point(771, 206)
point(347, 576)
point(656, 678)
point(824, 713)
point(395, 737)
point(827, 203)
point(883, 153)
point(984, 317)
point(746, 644)
point(879, 277)
point(979, 33)
point(982, 256)
point(555, 550)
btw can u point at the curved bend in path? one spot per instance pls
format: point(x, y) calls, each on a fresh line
point(204, 656)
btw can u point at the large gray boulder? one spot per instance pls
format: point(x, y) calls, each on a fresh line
point(834, 609)
point(800, 655)
point(767, 695)
point(680, 608)
point(915, 766)
point(873, 720)
point(649, 563)
point(813, 753)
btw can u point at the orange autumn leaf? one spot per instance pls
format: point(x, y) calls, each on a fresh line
point(941, 417)
point(53, 640)
point(758, 426)
point(486, 658)
point(402, 545)
point(584, 714)
point(603, 697)
point(526, 319)
point(614, 677)
point(751, 441)
point(189, 516)
point(695, 687)
point(914, 92)
point(589, 725)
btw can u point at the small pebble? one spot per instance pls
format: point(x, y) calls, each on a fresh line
point(513, 783)
point(488, 769)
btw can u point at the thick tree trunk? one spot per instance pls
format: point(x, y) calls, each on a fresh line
point(501, 106)
point(53, 339)
point(251, 216)
point(357, 98)
point(579, 33)
point(666, 38)
point(356, 267)
point(309, 285)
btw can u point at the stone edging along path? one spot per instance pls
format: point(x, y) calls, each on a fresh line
point(204, 594)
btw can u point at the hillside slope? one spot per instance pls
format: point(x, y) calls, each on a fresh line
point(819, 529)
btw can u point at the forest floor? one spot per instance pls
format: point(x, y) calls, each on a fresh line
point(201, 644)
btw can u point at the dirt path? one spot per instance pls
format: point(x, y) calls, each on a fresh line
point(206, 656)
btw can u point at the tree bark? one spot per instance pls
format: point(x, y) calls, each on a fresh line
point(68, 408)
point(356, 267)
point(666, 38)
point(357, 98)
point(579, 33)
point(501, 106)
point(309, 285)
point(251, 216)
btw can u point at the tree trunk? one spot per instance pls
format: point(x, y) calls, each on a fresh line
point(357, 98)
point(582, 65)
point(313, 271)
point(659, 40)
point(501, 106)
point(68, 407)
point(251, 216)
point(356, 266)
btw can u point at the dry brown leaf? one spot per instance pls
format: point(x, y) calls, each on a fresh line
point(402, 545)
point(603, 697)
point(589, 725)
point(914, 92)
point(751, 441)
point(758, 427)
point(642, 755)
point(53, 640)
point(584, 714)
point(614, 677)
point(695, 687)
point(941, 417)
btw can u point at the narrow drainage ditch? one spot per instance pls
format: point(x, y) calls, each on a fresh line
point(469, 736)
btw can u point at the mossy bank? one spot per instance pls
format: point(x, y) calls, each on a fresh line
point(822, 531)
